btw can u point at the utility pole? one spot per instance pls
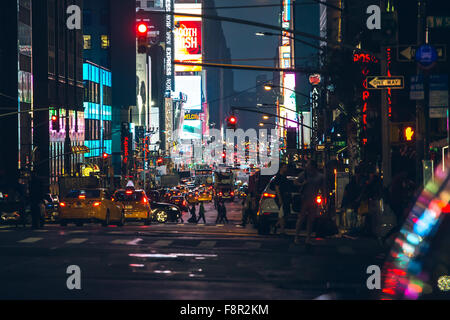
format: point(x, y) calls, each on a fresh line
point(421, 113)
point(385, 126)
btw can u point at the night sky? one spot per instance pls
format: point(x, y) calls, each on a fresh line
point(243, 42)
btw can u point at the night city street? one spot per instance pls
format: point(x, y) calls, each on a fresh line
point(224, 159)
point(194, 262)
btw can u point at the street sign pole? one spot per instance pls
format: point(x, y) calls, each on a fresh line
point(385, 129)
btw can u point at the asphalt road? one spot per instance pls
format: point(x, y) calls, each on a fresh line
point(181, 261)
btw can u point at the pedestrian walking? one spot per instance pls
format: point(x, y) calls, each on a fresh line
point(245, 210)
point(282, 188)
point(314, 181)
point(193, 218)
point(221, 212)
point(201, 213)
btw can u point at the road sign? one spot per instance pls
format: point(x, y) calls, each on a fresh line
point(416, 88)
point(438, 102)
point(407, 53)
point(438, 22)
point(382, 82)
point(426, 55)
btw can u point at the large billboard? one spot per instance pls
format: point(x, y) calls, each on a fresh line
point(289, 108)
point(188, 36)
point(191, 86)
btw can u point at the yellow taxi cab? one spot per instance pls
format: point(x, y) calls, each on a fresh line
point(90, 205)
point(136, 204)
point(192, 198)
point(205, 195)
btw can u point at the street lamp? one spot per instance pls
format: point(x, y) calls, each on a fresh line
point(265, 117)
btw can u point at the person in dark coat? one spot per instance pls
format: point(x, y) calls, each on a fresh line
point(193, 218)
point(201, 213)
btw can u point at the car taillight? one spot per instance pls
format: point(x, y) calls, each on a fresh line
point(268, 195)
point(319, 199)
point(62, 204)
point(184, 203)
point(129, 192)
point(82, 197)
point(220, 193)
point(96, 204)
point(144, 200)
point(232, 193)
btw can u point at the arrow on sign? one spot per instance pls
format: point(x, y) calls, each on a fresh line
point(408, 53)
point(380, 82)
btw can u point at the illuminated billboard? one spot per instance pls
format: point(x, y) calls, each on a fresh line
point(188, 36)
point(191, 86)
point(192, 129)
point(290, 105)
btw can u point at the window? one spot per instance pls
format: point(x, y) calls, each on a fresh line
point(87, 42)
point(138, 4)
point(150, 4)
point(104, 41)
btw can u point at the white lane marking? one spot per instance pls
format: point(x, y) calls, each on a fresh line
point(219, 225)
point(30, 240)
point(76, 240)
point(206, 244)
point(134, 242)
point(345, 250)
point(162, 243)
point(252, 245)
point(120, 241)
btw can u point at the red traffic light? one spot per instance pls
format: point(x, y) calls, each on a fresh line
point(54, 118)
point(232, 120)
point(104, 155)
point(142, 28)
point(319, 199)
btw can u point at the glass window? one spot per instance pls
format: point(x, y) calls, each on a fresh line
point(87, 42)
point(84, 193)
point(104, 41)
point(150, 4)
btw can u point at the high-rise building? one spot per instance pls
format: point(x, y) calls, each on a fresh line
point(16, 90)
point(58, 91)
point(109, 43)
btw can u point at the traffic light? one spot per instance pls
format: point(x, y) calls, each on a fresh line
point(55, 122)
point(231, 122)
point(105, 155)
point(408, 133)
point(403, 132)
point(142, 36)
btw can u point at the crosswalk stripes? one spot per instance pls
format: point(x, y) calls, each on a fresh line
point(162, 243)
point(30, 240)
point(206, 244)
point(76, 240)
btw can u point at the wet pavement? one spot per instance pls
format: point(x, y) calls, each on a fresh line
point(180, 261)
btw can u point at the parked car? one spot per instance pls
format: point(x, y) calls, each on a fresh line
point(90, 205)
point(13, 209)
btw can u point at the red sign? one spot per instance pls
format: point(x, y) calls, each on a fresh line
point(189, 38)
point(314, 79)
point(125, 150)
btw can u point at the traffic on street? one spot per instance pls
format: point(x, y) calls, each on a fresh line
point(230, 157)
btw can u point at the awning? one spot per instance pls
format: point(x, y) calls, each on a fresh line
point(80, 149)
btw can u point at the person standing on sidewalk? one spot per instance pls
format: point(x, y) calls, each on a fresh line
point(282, 188)
point(201, 213)
point(314, 181)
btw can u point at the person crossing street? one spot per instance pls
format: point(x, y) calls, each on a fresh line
point(201, 213)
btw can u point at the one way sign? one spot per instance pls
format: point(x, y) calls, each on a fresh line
point(407, 53)
point(381, 82)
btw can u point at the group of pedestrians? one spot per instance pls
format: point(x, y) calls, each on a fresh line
point(221, 213)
